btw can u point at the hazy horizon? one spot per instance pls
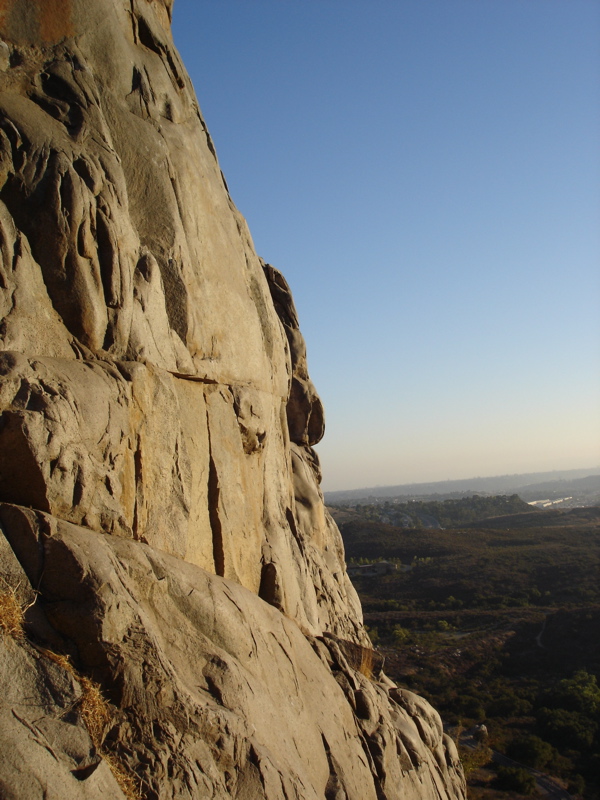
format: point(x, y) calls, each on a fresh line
point(586, 470)
point(461, 477)
point(427, 177)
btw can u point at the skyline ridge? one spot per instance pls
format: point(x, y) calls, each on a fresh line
point(580, 472)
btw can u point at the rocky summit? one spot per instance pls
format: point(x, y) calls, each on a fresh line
point(176, 620)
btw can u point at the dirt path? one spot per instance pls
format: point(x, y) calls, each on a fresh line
point(538, 638)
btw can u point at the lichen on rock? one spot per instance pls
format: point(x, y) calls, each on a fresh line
point(159, 490)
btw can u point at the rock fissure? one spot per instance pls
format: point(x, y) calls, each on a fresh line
point(215, 522)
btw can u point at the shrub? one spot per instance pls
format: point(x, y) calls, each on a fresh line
point(568, 729)
point(531, 750)
point(373, 634)
point(509, 704)
point(576, 784)
point(400, 634)
point(515, 779)
point(470, 707)
point(579, 693)
point(474, 758)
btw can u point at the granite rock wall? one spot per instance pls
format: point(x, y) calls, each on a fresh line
point(161, 515)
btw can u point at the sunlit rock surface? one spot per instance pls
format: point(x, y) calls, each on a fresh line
point(158, 483)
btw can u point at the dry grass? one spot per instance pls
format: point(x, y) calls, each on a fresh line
point(127, 784)
point(366, 663)
point(94, 710)
point(13, 608)
point(97, 716)
point(58, 658)
point(12, 613)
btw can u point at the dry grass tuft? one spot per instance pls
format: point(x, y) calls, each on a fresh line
point(12, 609)
point(58, 658)
point(126, 781)
point(97, 716)
point(94, 710)
point(366, 663)
point(11, 614)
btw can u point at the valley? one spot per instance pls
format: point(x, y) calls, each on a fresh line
point(495, 621)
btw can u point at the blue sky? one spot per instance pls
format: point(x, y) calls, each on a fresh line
point(426, 174)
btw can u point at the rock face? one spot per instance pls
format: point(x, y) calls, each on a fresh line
point(161, 518)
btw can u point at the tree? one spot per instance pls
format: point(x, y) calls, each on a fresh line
point(531, 750)
point(579, 693)
point(569, 729)
point(508, 704)
point(373, 634)
point(515, 779)
point(576, 784)
point(400, 634)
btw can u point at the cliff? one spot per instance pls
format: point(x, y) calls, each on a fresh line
point(162, 526)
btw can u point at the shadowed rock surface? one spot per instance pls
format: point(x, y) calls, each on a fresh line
point(159, 492)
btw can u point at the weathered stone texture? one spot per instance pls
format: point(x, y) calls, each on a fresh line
point(218, 693)
point(157, 477)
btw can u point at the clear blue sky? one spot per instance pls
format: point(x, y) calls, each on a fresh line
point(426, 174)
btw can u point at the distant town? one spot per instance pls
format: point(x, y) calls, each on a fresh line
point(560, 489)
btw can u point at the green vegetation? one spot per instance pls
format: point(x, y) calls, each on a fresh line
point(443, 513)
point(531, 750)
point(515, 779)
point(496, 622)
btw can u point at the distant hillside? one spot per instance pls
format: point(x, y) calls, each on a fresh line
point(584, 483)
point(439, 513)
point(496, 622)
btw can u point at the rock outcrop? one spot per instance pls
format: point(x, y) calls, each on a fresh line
point(162, 526)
